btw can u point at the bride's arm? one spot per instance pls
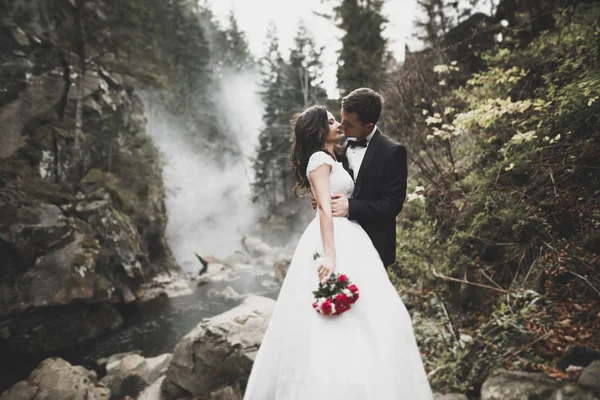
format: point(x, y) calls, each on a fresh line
point(320, 181)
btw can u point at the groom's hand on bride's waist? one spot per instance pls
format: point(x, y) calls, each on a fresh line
point(339, 205)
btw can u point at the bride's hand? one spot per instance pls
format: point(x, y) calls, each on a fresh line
point(326, 267)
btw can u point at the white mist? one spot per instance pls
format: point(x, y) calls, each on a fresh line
point(209, 201)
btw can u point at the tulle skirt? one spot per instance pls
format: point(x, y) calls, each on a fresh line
point(367, 353)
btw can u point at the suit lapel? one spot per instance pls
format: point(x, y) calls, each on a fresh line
point(364, 167)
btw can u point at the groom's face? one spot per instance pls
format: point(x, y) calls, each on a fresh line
point(353, 127)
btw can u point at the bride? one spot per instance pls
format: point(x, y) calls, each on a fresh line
point(367, 353)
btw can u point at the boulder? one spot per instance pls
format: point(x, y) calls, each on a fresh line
point(102, 363)
point(220, 351)
point(65, 258)
point(590, 377)
point(153, 391)
point(218, 271)
point(227, 293)
point(281, 268)
point(164, 285)
point(511, 385)
point(53, 259)
point(238, 257)
point(56, 379)
point(571, 392)
point(41, 331)
point(226, 393)
point(450, 396)
point(130, 375)
point(256, 247)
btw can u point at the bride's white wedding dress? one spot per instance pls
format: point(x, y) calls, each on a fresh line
point(367, 353)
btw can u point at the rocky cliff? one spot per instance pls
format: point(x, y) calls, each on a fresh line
point(76, 238)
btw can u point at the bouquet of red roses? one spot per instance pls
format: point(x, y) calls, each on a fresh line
point(335, 296)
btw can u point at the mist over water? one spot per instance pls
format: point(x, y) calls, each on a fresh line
point(209, 189)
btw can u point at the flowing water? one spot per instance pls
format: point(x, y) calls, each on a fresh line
point(156, 327)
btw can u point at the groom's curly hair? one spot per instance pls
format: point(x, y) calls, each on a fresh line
point(310, 131)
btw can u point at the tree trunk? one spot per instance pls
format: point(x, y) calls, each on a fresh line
point(442, 14)
point(62, 105)
point(304, 84)
point(80, 41)
point(493, 8)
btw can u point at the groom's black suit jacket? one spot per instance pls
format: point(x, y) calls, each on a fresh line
point(379, 193)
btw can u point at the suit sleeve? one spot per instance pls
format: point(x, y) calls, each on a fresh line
point(394, 192)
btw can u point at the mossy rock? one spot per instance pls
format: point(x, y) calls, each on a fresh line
point(89, 242)
point(79, 260)
point(123, 196)
point(95, 175)
point(64, 133)
point(119, 216)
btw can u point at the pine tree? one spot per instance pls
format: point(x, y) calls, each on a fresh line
point(305, 72)
point(288, 87)
point(440, 16)
point(363, 58)
point(267, 157)
point(165, 45)
point(229, 46)
point(238, 49)
point(189, 51)
point(303, 89)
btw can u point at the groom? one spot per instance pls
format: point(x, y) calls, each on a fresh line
point(379, 169)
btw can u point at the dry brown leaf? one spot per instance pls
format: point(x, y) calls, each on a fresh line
point(558, 375)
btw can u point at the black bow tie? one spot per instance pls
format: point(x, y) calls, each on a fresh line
point(356, 143)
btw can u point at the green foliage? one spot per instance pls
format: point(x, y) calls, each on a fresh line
point(229, 46)
point(459, 359)
point(162, 44)
point(94, 175)
point(289, 87)
point(135, 179)
point(507, 162)
point(332, 287)
point(233, 47)
point(363, 57)
point(508, 144)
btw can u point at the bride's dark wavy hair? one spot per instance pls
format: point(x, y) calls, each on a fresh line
point(310, 131)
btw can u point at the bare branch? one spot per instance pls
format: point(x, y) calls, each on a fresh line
point(448, 278)
point(586, 280)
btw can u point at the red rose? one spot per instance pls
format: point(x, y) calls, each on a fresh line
point(353, 289)
point(342, 303)
point(341, 299)
point(343, 278)
point(354, 298)
point(315, 305)
point(326, 307)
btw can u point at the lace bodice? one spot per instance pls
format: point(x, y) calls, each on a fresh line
point(340, 180)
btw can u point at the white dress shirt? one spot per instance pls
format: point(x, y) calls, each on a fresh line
point(356, 155)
